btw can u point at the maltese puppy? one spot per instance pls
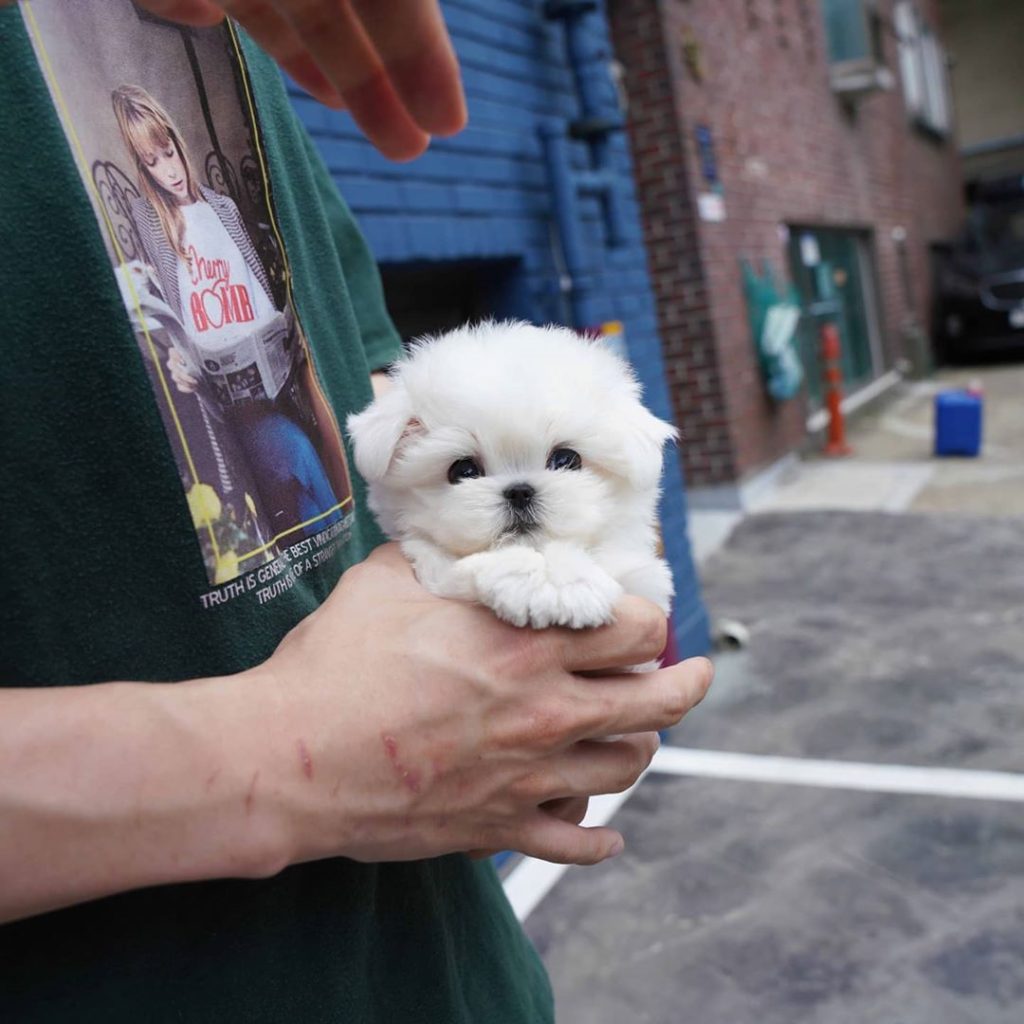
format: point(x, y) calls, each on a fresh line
point(517, 467)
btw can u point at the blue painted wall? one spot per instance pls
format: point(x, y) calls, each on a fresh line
point(484, 194)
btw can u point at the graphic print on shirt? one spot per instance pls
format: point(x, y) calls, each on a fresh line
point(159, 118)
point(217, 286)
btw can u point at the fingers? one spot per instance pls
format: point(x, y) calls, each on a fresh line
point(410, 37)
point(590, 768)
point(340, 46)
point(642, 702)
point(274, 33)
point(572, 809)
point(392, 65)
point(549, 838)
point(200, 13)
point(559, 841)
point(637, 635)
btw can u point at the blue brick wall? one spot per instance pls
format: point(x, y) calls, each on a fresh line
point(484, 194)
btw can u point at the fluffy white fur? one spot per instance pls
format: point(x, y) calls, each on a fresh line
point(507, 395)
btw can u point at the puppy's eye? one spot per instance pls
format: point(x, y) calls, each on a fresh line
point(464, 469)
point(564, 458)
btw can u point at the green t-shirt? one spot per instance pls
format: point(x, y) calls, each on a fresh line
point(150, 531)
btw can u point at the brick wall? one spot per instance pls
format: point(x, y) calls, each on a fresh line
point(673, 246)
point(788, 152)
point(484, 194)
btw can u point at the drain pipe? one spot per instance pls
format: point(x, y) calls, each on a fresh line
point(598, 119)
point(575, 282)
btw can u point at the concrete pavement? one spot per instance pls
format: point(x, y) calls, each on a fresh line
point(893, 467)
point(875, 638)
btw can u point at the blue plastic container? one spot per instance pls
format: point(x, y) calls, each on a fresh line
point(958, 419)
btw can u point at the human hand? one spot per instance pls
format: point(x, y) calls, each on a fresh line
point(395, 725)
point(390, 62)
point(390, 724)
point(179, 369)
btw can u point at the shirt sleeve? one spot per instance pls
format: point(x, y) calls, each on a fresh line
point(381, 342)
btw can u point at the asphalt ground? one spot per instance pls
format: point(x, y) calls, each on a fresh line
point(874, 638)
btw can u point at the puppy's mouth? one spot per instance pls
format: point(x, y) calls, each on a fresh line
point(521, 522)
point(522, 509)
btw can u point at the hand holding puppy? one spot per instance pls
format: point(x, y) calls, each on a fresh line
point(389, 725)
point(479, 726)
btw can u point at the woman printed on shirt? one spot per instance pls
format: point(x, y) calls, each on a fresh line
point(212, 278)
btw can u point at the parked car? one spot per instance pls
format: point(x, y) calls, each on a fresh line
point(979, 305)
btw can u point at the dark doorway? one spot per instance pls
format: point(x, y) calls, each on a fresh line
point(425, 298)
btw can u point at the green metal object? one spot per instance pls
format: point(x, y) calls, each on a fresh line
point(774, 320)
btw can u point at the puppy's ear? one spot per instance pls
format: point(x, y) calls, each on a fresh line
point(642, 439)
point(378, 430)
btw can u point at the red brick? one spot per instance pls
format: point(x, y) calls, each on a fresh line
point(817, 165)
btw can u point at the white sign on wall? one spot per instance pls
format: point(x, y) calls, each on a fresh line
point(711, 207)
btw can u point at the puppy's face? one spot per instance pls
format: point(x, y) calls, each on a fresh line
point(509, 433)
point(471, 487)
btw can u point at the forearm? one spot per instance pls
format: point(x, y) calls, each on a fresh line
point(389, 724)
point(118, 786)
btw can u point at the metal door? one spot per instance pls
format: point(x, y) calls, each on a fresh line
point(832, 273)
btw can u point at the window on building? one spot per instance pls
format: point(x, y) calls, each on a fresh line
point(854, 32)
point(923, 70)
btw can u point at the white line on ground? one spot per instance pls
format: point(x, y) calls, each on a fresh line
point(531, 880)
point(873, 778)
point(912, 481)
point(709, 530)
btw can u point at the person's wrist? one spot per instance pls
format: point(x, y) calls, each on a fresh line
point(234, 720)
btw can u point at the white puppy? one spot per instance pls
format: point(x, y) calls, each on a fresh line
point(517, 467)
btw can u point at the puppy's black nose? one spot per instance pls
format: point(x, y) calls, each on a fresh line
point(519, 496)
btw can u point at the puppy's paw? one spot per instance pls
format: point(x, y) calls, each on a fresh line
point(560, 586)
point(506, 580)
point(579, 594)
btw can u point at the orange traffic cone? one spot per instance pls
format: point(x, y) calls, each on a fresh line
point(831, 355)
